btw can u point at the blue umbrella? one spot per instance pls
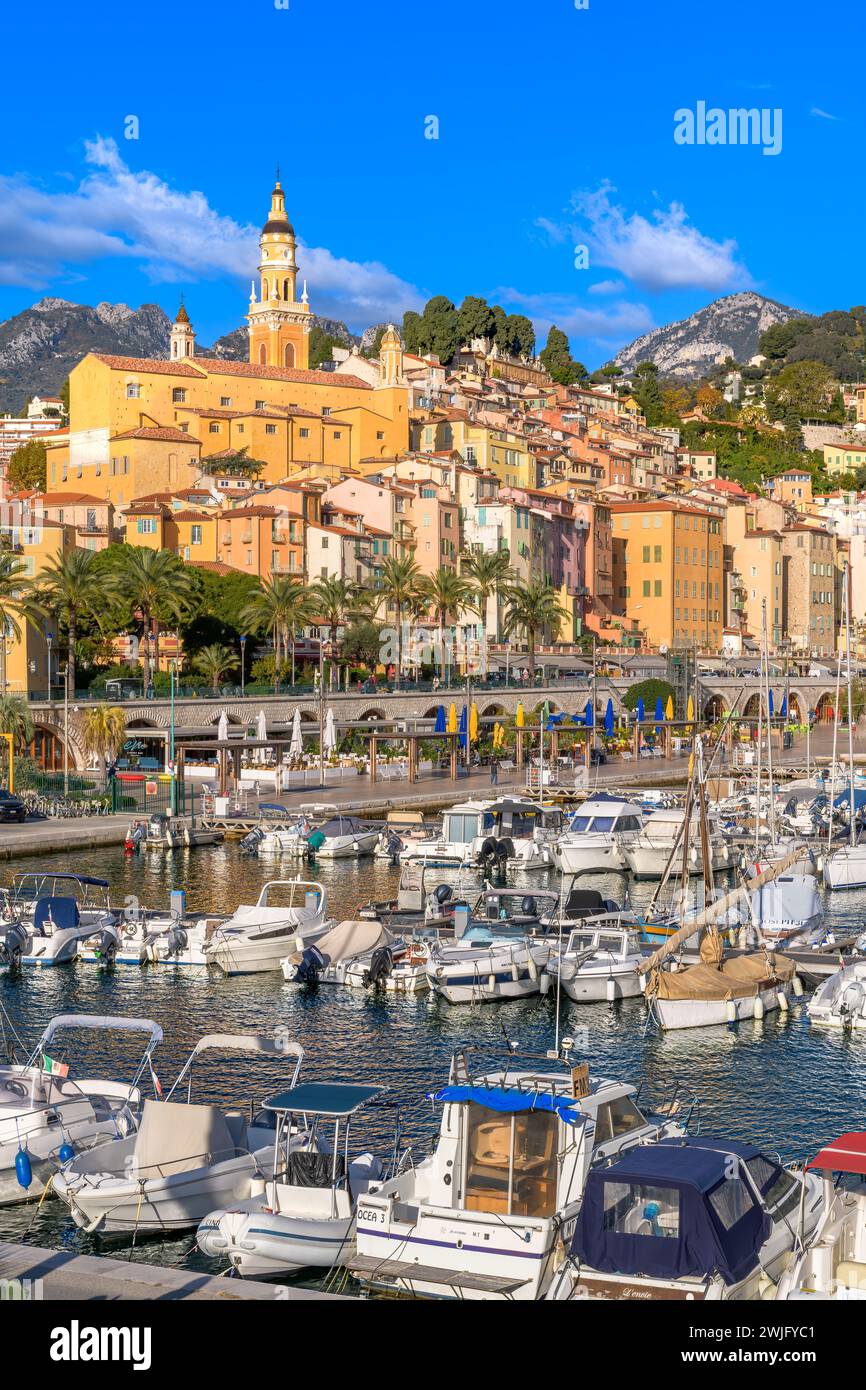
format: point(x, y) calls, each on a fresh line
point(784, 710)
point(641, 712)
point(589, 717)
point(441, 721)
point(608, 718)
point(660, 711)
point(464, 727)
point(770, 698)
point(578, 718)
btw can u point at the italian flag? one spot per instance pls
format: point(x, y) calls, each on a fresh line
point(54, 1068)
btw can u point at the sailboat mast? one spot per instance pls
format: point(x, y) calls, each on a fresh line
point(766, 665)
point(846, 574)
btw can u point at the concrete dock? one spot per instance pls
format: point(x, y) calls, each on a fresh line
point(30, 1272)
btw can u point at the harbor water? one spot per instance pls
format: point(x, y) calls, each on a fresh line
point(783, 1083)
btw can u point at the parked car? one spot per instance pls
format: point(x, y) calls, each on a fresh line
point(11, 808)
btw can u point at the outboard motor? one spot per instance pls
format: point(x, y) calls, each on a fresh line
point(106, 946)
point(528, 906)
point(305, 966)
point(12, 944)
point(250, 843)
point(381, 965)
point(393, 844)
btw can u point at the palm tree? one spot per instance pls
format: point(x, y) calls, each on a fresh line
point(532, 610)
point(215, 662)
point(71, 585)
point(279, 606)
point(104, 730)
point(445, 592)
point(399, 588)
point(488, 573)
point(333, 600)
point(15, 719)
point(17, 605)
point(157, 585)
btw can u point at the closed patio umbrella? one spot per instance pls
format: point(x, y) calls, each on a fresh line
point(452, 720)
point(520, 717)
point(608, 718)
point(223, 727)
point(641, 712)
point(296, 747)
point(669, 708)
point(441, 721)
point(330, 739)
point(464, 727)
point(473, 723)
point(660, 713)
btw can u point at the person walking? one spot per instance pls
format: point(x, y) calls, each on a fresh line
point(494, 772)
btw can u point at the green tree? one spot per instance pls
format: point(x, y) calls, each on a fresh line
point(15, 719)
point(804, 387)
point(557, 359)
point(215, 663)
point(533, 610)
point(413, 333)
point(648, 691)
point(475, 319)
point(233, 464)
point(104, 732)
point(399, 586)
point(27, 467)
point(520, 335)
point(362, 643)
point(440, 328)
point(279, 606)
point(159, 587)
point(331, 600)
point(487, 574)
point(70, 586)
point(647, 392)
point(445, 592)
point(320, 345)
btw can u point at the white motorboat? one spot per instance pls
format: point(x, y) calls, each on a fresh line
point(343, 837)
point(483, 1216)
point(259, 935)
point(47, 1116)
point(698, 1219)
point(184, 1160)
point(492, 960)
point(648, 855)
point(598, 836)
point(833, 1263)
point(507, 832)
point(788, 909)
point(358, 948)
point(846, 867)
point(303, 1216)
point(840, 1000)
point(599, 961)
point(50, 927)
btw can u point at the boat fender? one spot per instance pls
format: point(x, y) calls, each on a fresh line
point(491, 983)
point(65, 1153)
point(731, 1011)
point(693, 855)
point(545, 983)
point(759, 1007)
point(797, 987)
point(515, 972)
point(533, 969)
point(23, 1169)
point(726, 854)
point(783, 1000)
point(610, 989)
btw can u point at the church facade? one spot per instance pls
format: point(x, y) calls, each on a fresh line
point(144, 425)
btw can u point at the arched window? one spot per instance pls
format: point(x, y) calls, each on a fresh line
point(263, 356)
point(285, 289)
point(288, 355)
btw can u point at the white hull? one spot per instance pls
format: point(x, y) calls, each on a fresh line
point(840, 1001)
point(507, 971)
point(587, 855)
point(846, 868)
point(348, 846)
point(708, 1013)
point(242, 954)
point(595, 987)
point(259, 1243)
point(113, 1204)
point(650, 860)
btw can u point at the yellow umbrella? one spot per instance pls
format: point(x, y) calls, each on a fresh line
point(519, 718)
point(473, 723)
point(669, 708)
point(452, 720)
point(500, 735)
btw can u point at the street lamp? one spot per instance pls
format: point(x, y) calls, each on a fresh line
point(243, 672)
point(173, 672)
point(49, 638)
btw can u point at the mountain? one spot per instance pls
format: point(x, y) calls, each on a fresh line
point(39, 347)
point(729, 327)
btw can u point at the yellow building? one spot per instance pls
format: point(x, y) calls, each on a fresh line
point(668, 572)
point(27, 655)
point(145, 425)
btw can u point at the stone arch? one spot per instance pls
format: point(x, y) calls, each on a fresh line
point(715, 708)
point(752, 707)
point(432, 712)
point(825, 707)
point(230, 719)
point(289, 355)
point(308, 718)
point(373, 715)
point(798, 707)
point(495, 710)
point(46, 747)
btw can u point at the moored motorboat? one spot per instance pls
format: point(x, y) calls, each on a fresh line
point(303, 1215)
point(833, 1263)
point(840, 1000)
point(597, 836)
point(599, 961)
point(259, 935)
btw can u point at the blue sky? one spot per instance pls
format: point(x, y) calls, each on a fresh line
point(555, 129)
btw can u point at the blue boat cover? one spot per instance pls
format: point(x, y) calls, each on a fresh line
point(859, 798)
point(510, 1101)
point(63, 912)
point(674, 1209)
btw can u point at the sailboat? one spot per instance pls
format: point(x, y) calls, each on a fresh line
point(846, 867)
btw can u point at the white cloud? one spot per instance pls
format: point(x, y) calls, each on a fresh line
point(607, 287)
point(663, 252)
point(172, 235)
point(614, 324)
point(824, 115)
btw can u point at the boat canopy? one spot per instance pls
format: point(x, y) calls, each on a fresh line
point(331, 1098)
point(70, 878)
point(137, 1025)
point(247, 1042)
point(585, 902)
point(847, 1154)
point(511, 1101)
point(676, 1209)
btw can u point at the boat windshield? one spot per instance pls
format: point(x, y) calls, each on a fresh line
point(615, 1118)
point(511, 1162)
point(582, 941)
point(461, 828)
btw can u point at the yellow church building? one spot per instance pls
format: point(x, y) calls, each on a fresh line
point(145, 425)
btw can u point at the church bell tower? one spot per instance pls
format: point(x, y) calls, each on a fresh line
point(279, 322)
